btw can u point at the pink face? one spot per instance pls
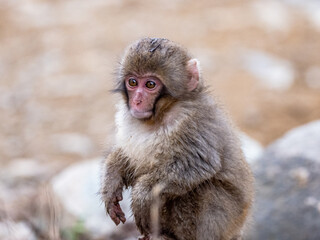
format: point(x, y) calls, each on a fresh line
point(142, 92)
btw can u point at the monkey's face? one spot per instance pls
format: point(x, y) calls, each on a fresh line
point(154, 74)
point(143, 92)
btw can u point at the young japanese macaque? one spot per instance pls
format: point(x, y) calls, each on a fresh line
point(173, 137)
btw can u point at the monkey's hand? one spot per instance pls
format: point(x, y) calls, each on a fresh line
point(113, 207)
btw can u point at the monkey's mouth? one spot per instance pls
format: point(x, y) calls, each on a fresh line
point(140, 115)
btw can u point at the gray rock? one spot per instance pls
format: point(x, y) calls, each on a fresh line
point(16, 231)
point(272, 72)
point(301, 142)
point(288, 193)
point(77, 188)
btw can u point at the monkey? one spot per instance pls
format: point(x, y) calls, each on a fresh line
point(172, 135)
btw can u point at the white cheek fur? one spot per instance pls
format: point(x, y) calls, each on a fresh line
point(138, 141)
point(132, 137)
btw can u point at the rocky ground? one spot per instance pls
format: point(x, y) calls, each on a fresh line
point(57, 64)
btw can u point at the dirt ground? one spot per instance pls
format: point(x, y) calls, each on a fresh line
point(57, 60)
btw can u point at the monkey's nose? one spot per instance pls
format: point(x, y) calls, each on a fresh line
point(137, 101)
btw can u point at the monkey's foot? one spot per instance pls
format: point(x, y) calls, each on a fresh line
point(144, 238)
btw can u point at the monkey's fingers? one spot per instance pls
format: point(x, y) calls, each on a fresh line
point(122, 219)
point(120, 214)
point(114, 217)
point(112, 210)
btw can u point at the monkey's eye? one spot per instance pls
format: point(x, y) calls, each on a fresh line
point(150, 84)
point(132, 82)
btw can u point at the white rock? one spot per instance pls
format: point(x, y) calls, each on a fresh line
point(77, 187)
point(310, 8)
point(16, 231)
point(273, 15)
point(37, 15)
point(51, 62)
point(303, 141)
point(311, 201)
point(312, 77)
point(313, 14)
point(24, 168)
point(72, 143)
point(206, 56)
point(252, 149)
point(271, 71)
point(234, 18)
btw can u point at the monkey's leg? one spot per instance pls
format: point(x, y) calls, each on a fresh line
point(220, 220)
point(212, 226)
point(141, 203)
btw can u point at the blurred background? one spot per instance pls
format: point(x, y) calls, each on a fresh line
point(261, 59)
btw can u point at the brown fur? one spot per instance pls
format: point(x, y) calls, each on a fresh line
point(187, 147)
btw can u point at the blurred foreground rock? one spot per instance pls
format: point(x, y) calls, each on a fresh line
point(16, 231)
point(288, 187)
point(77, 188)
point(20, 170)
point(21, 183)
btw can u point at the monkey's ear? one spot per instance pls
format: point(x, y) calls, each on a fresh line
point(193, 68)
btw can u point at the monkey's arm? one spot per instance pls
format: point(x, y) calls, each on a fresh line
point(177, 174)
point(112, 185)
point(198, 161)
point(178, 177)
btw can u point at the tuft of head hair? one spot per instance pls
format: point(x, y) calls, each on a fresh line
point(162, 58)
